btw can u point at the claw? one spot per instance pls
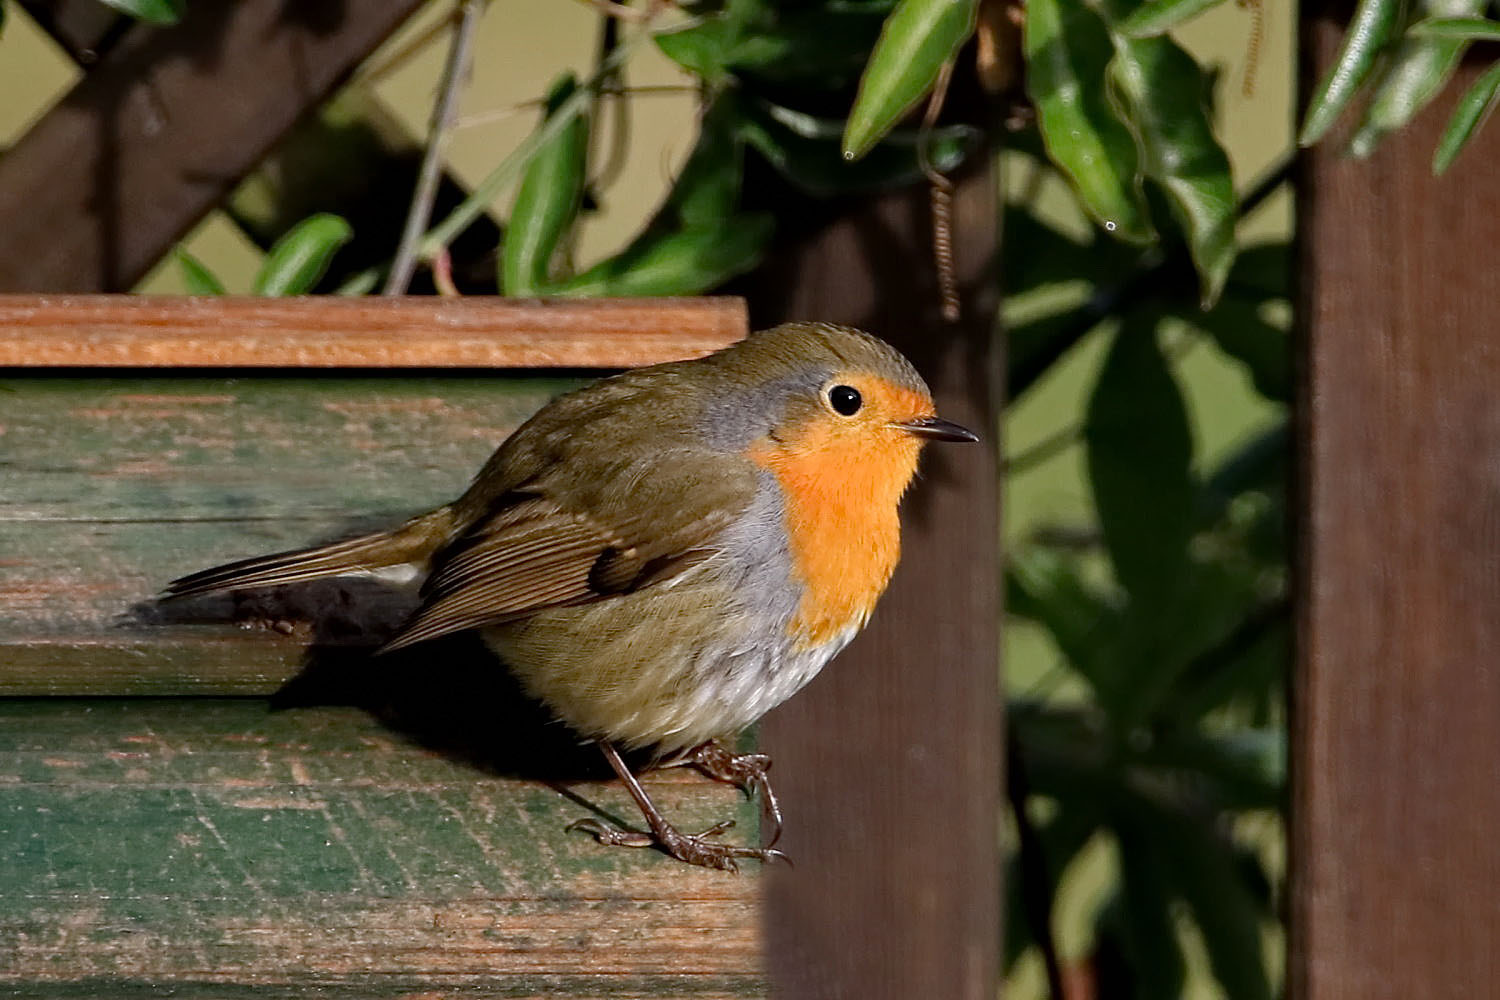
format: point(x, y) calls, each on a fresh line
point(612, 836)
point(694, 849)
point(747, 771)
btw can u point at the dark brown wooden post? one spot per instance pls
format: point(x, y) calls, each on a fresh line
point(890, 762)
point(1395, 825)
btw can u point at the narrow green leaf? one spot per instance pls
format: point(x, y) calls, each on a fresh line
point(547, 200)
point(1260, 666)
point(1414, 75)
point(1140, 451)
point(682, 263)
point(1206, 873)
point(1067, 52)
point(151, 11)
point(706, 191)
point(700, 47)
point(824, 45)
point(1043, 587)
point(1260, 463)
point(1467, 29)
point(301, 257)
point(915, 41)
point(1374, 27)
point(1059, 841)
point(1263, 348)
point(1473, 108)
point(1142, 917)
point(1164, 96)
point(806, 150)
point(1235, 770)
point(197, 277)
point(1157, 17)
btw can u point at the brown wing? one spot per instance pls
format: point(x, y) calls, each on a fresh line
point(639, 523)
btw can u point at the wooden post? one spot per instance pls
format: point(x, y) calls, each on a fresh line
point(1396, 736)
point(889, 764)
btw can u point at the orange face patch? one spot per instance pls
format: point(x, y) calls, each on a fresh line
point(843, 478)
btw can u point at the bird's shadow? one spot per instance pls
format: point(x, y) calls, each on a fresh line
point(451, 695)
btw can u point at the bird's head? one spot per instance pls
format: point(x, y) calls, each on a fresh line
point(832, 411)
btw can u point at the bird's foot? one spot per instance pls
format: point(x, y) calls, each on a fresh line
point(692, 848)
point(750, 772)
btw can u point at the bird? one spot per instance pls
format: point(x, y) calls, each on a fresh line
point(664, 555)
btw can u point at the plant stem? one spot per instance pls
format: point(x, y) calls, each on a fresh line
point(1036, 883)
point(474, 205)
point(455, 72)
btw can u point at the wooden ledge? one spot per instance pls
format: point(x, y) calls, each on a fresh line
point(204, 847)
point(115, 331)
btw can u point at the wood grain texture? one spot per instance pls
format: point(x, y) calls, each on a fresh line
point(113, 486)
point(162, 128)
point(210, 848)
point(1396, 737)
point(889, 764)
point(322, 332)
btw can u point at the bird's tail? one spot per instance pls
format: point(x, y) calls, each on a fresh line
point(413, 542)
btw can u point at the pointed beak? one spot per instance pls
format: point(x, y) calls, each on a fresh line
point(937, 429)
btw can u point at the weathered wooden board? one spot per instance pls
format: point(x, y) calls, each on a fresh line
point(213, 848)
point(110, 487)
point(42, 331)
point(1396, 730)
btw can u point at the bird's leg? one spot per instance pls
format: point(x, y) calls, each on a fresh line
point(750, 772)
point(695, 849)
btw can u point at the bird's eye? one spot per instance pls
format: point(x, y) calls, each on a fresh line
point(845, 399)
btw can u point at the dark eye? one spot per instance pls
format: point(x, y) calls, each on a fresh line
point(845, 399)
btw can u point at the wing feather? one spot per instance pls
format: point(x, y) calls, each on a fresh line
point(548, 543)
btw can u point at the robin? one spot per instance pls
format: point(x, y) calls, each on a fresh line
point(665, 555)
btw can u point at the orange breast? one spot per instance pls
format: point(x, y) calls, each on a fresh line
point(845, 537)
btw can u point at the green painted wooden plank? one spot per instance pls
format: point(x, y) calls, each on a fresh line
point(216, 848)
point(109, 487)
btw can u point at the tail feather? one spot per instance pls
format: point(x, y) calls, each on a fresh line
point(414, 541)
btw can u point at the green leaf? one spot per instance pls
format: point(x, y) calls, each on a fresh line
point(916, 40)
point(806, 150)
point(1163, 91)
point(1141, 917)
point(301, 257)
point(1252, 671)
point(1059, 840)
point(1468, 29)
point(1258, 464)
point(1473, 108)
point(1374, 27)
point(198, 278)
point(708, 188)
point(1263, 271)
point(1043, 587)
point(683, 263)
point(1263, 348)
point(1140, 452)
point(1068, 52)
point(1160, 16)
point(822, 46)
point(151, 11)
point(1205, 871)
point(547, 200)
point(1236, 770)
point(1418, 70)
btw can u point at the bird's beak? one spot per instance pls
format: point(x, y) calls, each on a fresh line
point(937, 429)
